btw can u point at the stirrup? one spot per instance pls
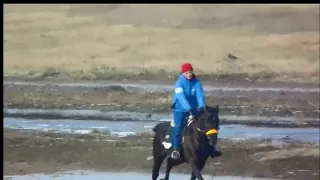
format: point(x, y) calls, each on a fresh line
point(175, 154)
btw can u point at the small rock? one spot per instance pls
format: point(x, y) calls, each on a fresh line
point(230, 56)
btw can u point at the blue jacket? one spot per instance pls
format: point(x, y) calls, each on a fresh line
point(188, 95)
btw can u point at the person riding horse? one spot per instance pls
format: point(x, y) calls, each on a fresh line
point(188, 98)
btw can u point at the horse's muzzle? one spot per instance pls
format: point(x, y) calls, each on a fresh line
point(212, 135)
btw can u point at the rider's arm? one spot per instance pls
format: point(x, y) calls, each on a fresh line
point(181, 97)
point(200, 95)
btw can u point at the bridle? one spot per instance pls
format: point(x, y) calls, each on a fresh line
point(204, 132)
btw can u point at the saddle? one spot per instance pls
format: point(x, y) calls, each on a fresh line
point(167, 142)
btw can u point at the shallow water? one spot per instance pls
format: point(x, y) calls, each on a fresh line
point(86, 113)
point(123, 128)
point(136, 116)
point(161, 87)
point(86, 175)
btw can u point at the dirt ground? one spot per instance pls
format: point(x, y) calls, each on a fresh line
point(39, 152)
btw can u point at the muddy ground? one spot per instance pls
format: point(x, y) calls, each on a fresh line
point(39, 152)
point(231, 102)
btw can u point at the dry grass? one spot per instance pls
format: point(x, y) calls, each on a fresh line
point(101, 40)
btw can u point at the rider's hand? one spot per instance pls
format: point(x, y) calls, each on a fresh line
point(191, 116)
point(201, 108)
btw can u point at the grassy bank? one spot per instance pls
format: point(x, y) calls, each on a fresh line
point(272, 42)
point(34, 152)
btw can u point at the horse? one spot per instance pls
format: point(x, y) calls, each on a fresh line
point(198, 135)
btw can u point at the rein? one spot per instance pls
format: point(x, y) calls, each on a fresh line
point(190, 121)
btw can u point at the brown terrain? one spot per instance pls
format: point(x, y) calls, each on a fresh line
point(277, 43)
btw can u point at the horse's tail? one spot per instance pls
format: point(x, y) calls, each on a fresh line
point(155, 129)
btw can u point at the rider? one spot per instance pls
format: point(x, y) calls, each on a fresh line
point(188, 97)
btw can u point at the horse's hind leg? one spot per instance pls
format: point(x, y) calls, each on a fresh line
point(170, 163)
point(157, 161)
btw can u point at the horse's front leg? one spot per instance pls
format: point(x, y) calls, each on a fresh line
point(196, 168)
point(193, 177)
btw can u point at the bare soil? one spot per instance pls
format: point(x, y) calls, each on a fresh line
point(39, 152)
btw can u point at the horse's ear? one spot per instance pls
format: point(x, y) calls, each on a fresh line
point(217, 107)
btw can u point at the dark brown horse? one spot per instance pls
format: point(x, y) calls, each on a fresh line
point(198, 136)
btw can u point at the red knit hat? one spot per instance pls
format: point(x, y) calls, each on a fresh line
point(186, 67)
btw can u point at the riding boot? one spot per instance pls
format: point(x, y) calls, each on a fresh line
point(175, 153)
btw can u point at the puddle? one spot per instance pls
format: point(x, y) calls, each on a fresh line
point(88, 175)
point(123, 128)
point(160, 87)
point(120, 128)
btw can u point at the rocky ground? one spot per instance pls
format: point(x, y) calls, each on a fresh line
point(38, 152)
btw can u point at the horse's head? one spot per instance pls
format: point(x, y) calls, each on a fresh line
point(208, 122)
